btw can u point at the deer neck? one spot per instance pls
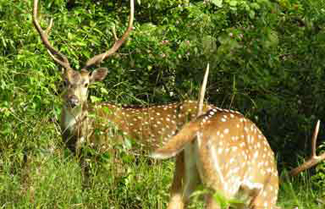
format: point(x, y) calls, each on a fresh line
point(72, 119)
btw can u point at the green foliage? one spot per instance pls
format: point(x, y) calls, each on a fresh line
point(224, 202)
point(266, 60)
point(300, 192)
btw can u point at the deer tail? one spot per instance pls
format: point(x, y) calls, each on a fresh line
point(177, 143)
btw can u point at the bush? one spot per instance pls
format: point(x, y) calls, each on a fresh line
point(266, 58)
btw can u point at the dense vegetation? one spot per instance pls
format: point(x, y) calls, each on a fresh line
point(267, 61)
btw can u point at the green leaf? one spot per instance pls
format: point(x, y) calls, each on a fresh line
point(233, 3)
point(255, 6)
point(104, 91)
point(218, 3)
point(251, 14)
point(95, 99)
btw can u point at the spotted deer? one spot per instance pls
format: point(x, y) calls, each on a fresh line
point(232, 157)
point(85, 123)
point(228, 154)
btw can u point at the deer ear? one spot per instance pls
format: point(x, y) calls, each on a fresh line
point(98, 75)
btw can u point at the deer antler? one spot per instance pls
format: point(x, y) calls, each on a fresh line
point(201, 98)
point(56, 55)
point(118, 42)
point(202, 92)
point(314, 159)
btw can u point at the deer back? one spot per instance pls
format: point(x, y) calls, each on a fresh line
point(150, 126)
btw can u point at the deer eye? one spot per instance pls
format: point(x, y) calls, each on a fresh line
point(86, 85)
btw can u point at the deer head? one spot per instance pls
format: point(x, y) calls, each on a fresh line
point(76, 83)
point(76, 86)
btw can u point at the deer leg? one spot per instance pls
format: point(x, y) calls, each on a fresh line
point(192, 177)
point(186, 178)
point(176, 194)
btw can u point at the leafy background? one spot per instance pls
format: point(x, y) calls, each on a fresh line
point(266, 59)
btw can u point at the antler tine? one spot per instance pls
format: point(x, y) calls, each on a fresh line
point(201, 98)
point(202, 92)
point(118, 42)
point(56, 55)
point(314, 139)
point(314, 159)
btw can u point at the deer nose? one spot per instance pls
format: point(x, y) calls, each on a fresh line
point(73, 101)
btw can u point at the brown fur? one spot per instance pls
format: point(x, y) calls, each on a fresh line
point(232, 157)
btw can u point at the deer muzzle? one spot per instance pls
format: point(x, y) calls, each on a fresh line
point(73, 101)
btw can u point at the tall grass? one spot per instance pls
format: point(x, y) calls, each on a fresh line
point(300, 192)
point(37, 171)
